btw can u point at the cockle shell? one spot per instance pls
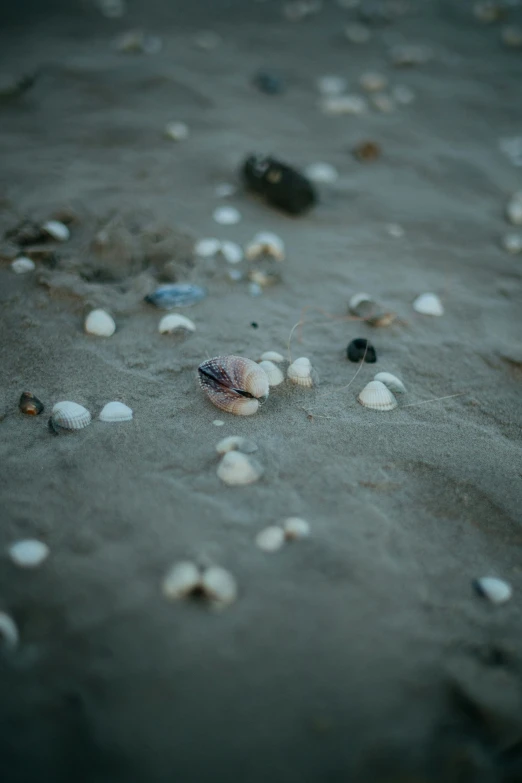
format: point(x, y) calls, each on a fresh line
point(236, 443)
point(234, 384)
point(177, 131)
point(231, 252)
point(270, 539)
point(393, 383)
point(265, 244)
point(274, 374)
point(183, 579)
point(236, 469)
point(271, 356)
point(28, 553)
point(100, 323)
point(9, 636)
point(226, 216)
point(22, 265)
point(69, 416)
point(115, 411)
point(495, 590)
point(30, 405)
point(514, 209)
point(295, 528)
point(300, 372)
point(57, 230)
point(377, 397)
point(428, 304)
point(219, 586)
point(175, 322)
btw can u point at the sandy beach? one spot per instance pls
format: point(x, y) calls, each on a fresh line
point(361, 653)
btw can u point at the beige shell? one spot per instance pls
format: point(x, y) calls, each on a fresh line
point(182, 579)
point(300, 372)
point(377, 397)
point(295, 528)
point(70, 416)
point(219, 586)
point(270, 539)
point(234, 384)
point(100, 323)
point(236, 443)
point(271, 356)
point(274, 374)
point(393, 383)
point(174, 322)
point(236, 469)
point(265, 243)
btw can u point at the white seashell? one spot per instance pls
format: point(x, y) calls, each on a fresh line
point(382, 102)
point(236, 469)
point(115, 411)
point(301, 373)
point(357, 300)
point(357, 33)
point(219, 586)
point(514, 209)
point(177, 131)
point(495, 590)
point(22, 265)
point(218, 422)
point(403, 94)
point(100, 323)
point(271, 356)
point(9, 636)
point(295, 528)
point(512, 242)
point(28, 553)
point(265, 243)
point(226, 216)
point(393, 383)
point(70, 415)
point(337, 105)
point(270, 539)
point(208, 247)
point(236, 443)
point(231, 252)
point(377, 397)
point(322, 173)
point(274, 374)
point(181, 580)
point(57, 230)
point(373, 82)
point(174, 322)
point(225, 189)
point(332, 85)
point(512, 36)
point(428, 304)
point(395, 230)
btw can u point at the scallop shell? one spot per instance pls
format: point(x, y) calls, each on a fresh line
point(236, 443)
point(115, 411)
point(226, 216)
point(183, 579)
point(100, 323)
point(236, 469)
point(30, 405)
point(70, 416)
point(57, 230)
point(177, 131)
point(321, 173)
point(9, 636)
point(495, 590)
point(428, 304)
point(28, 553)
point(273, 373)
point(219, 586)
point(393, 383)
point(271, 356)
point(514, 209)
point(175, 322)
point(265, 243)
point(234, 384)
point(270, 539)
point(300, 372)
point(22, 265)
point(295, 528)
point(377, 397)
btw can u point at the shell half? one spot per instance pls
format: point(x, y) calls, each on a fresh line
point(393, 383)
point(30, 405)
point(100, 323)
point(236, 469)
point(115, 411)
point(234, 384)
point(271, 356)
point(219, 586)
point(300, 372)
point(428, 304)
point(70, 416)
point(377, 397)
point(274, 374)
point(495, 590)
point(175, 323)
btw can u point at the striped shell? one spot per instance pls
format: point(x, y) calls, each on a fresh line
point(116, 411)
point(393, 383)
point(274, 374)
point(234, 384)
point(377, 397)
point(70, 416)
point(301, 373)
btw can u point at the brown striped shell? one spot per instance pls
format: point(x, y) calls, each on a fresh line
point(234, 384)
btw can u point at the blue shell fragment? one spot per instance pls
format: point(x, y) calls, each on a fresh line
point(176, 295)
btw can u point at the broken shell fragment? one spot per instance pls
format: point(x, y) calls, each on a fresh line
point(274, 374)
point(22, 265)
point(30, 405)
point(219, 586)
point(100, 323)
point(495, 590)
point(57, 230)
point(295, 528)
point(271, 356)
point(183, 579)
point(115, 411)
point(28, 553)
point(234, 384)
point(177, 131)
point(393, 383)
point(236, 443)
point(322, 173)
point(226, 216)
point(176, 295)
point(377, 396)
point(265, 243)
point(270, 539)
point(69, 416)
point(9, 636)
point(236, 469)
point(360, 350)
point(301, 373)
point(514, 209)
point(175, 323)
point(428, 304)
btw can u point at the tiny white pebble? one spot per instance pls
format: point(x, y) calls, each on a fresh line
point(270, 539)
point(336, 105)
point(231, 252)
point(226, 216)
point(57, 230)
point(218, 423)
point(100, 323)
point(28, 553)
point(22, 265)
point(177, 131)
point(295, 528)
point(495, 590)
point(9, 636)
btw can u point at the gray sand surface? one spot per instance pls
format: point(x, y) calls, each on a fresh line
point(362, 653)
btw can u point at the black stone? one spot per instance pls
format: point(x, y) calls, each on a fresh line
point(281, 185)
point(360, 349)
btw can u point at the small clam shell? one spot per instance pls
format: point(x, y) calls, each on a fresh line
point(207, 247)
point(274, 374)
point(428, 304)
point(377, 397)
point(393, 383)
point(9, 636)
point(219, 586)
point(270, 539)
point(265, 243)
point(100, 323)
point(231, 252)
point(182, 580)
point(514, 209)
point(22, 265)
point(300, 372)
point(236, 469)
point(226, 216)
point(495, 590)
point(236, 443)
point(176, 295)
point(57, 230)
point(70, 416)
point(321, 173)
point(30, 405)
point(29, 553)
point(271, 356)
point(177, 131)
point(115, 411)
point(174, 322)
point(234, 384)
point(295, 528)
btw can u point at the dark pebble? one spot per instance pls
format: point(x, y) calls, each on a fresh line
point(281, 185)
point(360, 349)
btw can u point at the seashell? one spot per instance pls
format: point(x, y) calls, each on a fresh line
point(322, 173)
point(514, 209)
point(9, 636)
point(377, 397)
point(234, 384)
point(206, 248)
point(181, 580)
point(332, 85)
point(69, 416)
point(231, 252)
point(56, 230)
point(405, 55)
point(360, 350)
point(395, 230)
point(100, 323)
point(219, 586)
point(29, 553)
point(403, 94)
point(22, 265)
point(357, 33)
point(281, 185)
point(218, 423)
point(367, 151)
point(270, 539)
point(265, 244)
point(336, 105)
point(236, 443)
point(295, 528)
point(361, 304)
point(115, 411)
point(271, 356)
point(30, 405)
point(112, 9)
point(512, 242)
point(176, 295)
point(373, 82)
point(393, 383)
point(428, 304)
point(495, 590)
point(226, 216)
point(236, 469)
point(274, 374)
point(225, 189)
point(383, 102)
point(177, 131)
point(301, 373)
point(175, 322)
point(512, 36)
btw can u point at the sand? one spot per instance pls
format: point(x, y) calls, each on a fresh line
point(359, 654)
